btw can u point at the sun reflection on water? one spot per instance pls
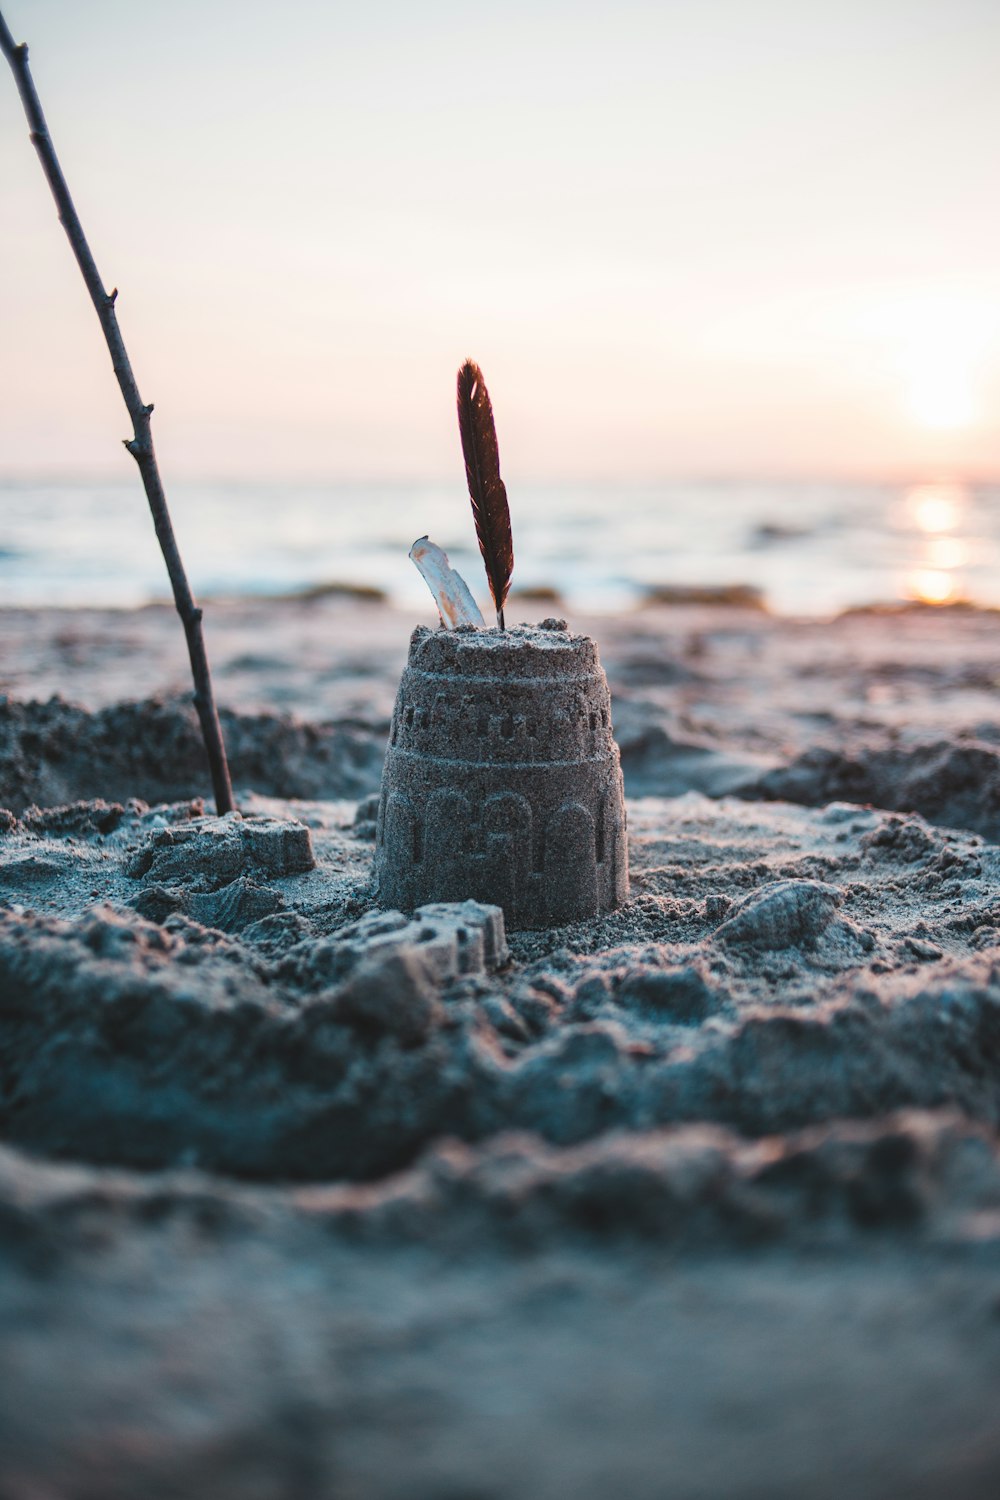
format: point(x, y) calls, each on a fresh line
point(935, 515)
point(936, 507)
point(931, 586)
point(946, 552)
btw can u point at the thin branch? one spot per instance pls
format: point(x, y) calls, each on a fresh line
point(140, 445)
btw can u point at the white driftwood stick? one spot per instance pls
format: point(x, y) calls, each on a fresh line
point(456, 605)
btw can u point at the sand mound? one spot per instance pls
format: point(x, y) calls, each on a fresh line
point(300, 1197)
point(780, 971)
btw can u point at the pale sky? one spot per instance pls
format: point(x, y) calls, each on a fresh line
point(718, 237)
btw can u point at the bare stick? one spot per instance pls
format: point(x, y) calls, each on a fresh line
point(141, 443)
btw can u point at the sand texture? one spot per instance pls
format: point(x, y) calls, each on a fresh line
point(699, 1198)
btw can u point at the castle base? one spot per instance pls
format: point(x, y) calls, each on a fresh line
point(502, 780)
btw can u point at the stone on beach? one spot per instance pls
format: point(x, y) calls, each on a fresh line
point(781, 915)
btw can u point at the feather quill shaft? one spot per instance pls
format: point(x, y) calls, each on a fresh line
point(486, 489)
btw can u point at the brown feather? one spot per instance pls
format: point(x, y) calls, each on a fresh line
point(486, 489)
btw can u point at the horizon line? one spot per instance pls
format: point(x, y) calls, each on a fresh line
point(75, 477)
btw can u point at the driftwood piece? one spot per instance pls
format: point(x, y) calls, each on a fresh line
point(140, 445)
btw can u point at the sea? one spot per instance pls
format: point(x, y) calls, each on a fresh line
point(813, 548)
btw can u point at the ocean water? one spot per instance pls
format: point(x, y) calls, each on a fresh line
point(813, 548)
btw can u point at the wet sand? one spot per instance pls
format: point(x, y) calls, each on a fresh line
point(701, 1198)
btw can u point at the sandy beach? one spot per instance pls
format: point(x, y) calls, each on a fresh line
point(555, 1056)
point(699, 1198)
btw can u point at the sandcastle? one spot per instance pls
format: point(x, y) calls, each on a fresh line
point(502, 780)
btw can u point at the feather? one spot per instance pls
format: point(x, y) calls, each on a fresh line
point(486, 488)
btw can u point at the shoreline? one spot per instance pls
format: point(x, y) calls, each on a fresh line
point(735, 596)
point(803, 548)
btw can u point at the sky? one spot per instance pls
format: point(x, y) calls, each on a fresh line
point(710, 238)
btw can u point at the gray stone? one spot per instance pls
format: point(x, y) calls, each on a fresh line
point(502, 780)
point(786, 914)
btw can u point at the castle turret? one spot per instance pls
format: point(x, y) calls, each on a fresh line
point(502, 779)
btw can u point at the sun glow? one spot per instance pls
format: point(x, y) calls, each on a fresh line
point(940, 393)
point(941, 343)
point(938, 342)
point(931, 586)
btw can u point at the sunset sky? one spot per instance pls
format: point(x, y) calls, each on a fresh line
point(735, 237)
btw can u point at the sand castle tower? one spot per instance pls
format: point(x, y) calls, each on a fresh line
point(502, 780)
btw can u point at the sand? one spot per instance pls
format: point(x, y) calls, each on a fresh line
point(700, 1198)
